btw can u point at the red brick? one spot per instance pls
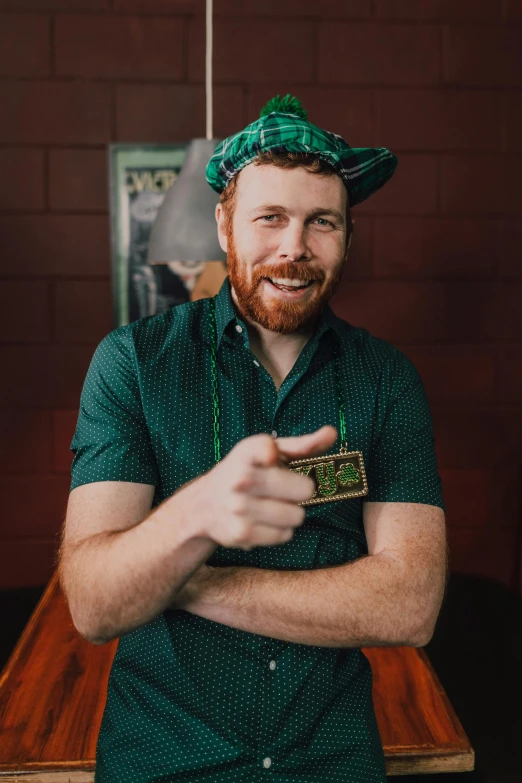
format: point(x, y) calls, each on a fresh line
point(360, 263)
point(435, 247)
point(25, 443)
point(468, 497)
point(24, 45)
point(45, 376)
point(253, 50)
point(68, 245)
point(78, 180)
point(349, 112)
point(356, 9)
point(512, 9)
point(507, 310)
point(396, 312)
point(482, 56)
point(491, 554)
point(438, 9)
point(508, 373)
point(454, 373)
point(509, 249)
point(482, 499)
point(439, 119)
point(483, 184)
point(290, 8)
point(27, 562)
point(64, 425)
point(22, 175)
point(473, 438)
point(197, 7)
point(33, 506)
point(119, 47)
point(24, 311)
point(412, 190)
point(54, 5)
point(174, 6)
point(379, 54)
point(506, 501)
point(82, 311)
point(175, 113)
point(512, 120)
point(55, 113)
point(469, 311)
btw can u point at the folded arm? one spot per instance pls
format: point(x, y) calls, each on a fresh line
point(392, 596)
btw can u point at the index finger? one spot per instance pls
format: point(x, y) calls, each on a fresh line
point(280, 483)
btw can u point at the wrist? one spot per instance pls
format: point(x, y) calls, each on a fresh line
point(196, 593)
point(188, 506)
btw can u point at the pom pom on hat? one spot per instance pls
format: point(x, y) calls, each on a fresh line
point(288, 105)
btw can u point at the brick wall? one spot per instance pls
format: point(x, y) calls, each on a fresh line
point(435, 265)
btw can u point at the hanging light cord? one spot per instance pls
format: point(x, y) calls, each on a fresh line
point(208, 69)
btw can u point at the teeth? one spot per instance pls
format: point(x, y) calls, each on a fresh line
point(287, 281)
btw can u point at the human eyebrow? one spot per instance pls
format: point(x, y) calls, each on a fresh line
point(280, 208)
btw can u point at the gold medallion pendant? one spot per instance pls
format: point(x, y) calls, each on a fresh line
point(336, 476)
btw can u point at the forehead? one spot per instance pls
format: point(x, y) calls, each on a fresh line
point(296, 188)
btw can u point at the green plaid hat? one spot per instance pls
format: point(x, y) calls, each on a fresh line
point(283, 126)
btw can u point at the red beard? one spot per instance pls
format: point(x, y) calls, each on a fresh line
point(278, 315)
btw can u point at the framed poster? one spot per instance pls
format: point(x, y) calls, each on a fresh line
point(139, 177)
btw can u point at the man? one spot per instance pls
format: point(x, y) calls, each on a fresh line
point(242, 600)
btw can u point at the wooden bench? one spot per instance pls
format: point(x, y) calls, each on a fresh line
point(54, 686)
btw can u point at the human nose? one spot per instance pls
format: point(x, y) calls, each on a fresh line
point(293, 244)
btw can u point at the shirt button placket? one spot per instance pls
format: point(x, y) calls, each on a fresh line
point(272, 664)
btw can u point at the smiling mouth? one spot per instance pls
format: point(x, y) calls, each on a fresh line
point(287, 285)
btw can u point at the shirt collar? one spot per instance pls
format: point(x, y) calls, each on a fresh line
point(225, 314)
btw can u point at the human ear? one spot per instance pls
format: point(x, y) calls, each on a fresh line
point(220, 219)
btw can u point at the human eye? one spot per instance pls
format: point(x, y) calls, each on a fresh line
point(267, 216)
point(327, 221)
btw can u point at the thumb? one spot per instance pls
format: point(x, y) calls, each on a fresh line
point(310, 445)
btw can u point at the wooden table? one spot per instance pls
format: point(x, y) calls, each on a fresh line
point(54, 686)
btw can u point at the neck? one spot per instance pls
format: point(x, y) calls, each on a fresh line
point(277, 352)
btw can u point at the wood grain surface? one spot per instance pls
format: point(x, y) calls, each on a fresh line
point(54, 686)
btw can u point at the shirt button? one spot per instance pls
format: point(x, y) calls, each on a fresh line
point(239, 328)
point(272, 665)
point(274, 433)
point(267, 762)
point(256, 362)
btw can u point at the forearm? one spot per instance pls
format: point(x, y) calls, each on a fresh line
point(365, 603)
point(117, 582)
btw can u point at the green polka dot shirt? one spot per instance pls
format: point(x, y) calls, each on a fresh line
point(190, 699)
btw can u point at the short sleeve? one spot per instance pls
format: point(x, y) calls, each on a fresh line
point(111, 441)
point(403, 463)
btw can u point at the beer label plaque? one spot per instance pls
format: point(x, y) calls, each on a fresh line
point(336, 476)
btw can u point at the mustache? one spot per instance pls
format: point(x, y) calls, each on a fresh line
point(289, 271)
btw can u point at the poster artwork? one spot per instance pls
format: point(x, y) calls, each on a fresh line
point(153, 288)
point(140, 179)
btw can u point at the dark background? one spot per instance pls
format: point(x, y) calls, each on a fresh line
point(435, 266)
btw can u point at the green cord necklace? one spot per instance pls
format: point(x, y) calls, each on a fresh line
point(336, 476)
